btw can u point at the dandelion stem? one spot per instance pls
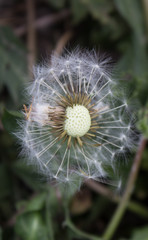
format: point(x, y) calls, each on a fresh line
point(127, 194)
point(80, 233)
point(106, 192)
point(48, 219)
point(68, 164)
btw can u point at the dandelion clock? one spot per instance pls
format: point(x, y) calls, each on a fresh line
point(76, 123)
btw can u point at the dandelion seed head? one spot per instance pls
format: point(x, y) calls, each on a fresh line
point(76, 126)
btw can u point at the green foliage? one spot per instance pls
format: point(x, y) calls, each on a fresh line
point(132, 12)
point(31, 209)
point(134, 60)
point(36, 203)
point(30, 226)
point(79, 10)
point(29, 176)
point(13, 67)
point(100, 9)
point(140, 234)
point(9, 120)
point(142, 124)
point(144, 164)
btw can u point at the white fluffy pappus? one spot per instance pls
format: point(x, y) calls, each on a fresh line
point(77, 126)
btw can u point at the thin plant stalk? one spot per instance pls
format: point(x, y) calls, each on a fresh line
point(104, 191)
point(49, 220)
point(78, 232)
point(115, 221)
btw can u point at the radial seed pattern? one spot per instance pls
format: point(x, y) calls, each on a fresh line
point(75, 125)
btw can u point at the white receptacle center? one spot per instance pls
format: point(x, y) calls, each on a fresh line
point(78, 121)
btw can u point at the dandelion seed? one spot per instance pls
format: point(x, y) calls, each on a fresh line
point(73, 128)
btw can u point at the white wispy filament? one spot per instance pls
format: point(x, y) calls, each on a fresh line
point(77, 123)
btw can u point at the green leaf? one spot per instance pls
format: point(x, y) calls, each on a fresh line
point(79, 10)
point(48, 214)
point(140, 234)
point(132, 12)
point(13, 67)
point(142, 124)
point(36, 203)
point(134, 60)
point(9, 120)
point(30, 226)
point(99, 9)
point(29, 175)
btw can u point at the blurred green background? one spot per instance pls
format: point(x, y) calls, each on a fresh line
point(30, 31)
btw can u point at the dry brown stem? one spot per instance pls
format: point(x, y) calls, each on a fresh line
point(43, 22)
point(31, 34)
